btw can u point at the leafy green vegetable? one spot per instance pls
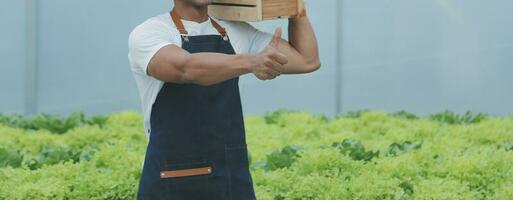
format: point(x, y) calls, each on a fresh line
point(508, 147)
point(282, 158)
point(9, 157)
point(395, 148)
point(407, 188)
point(404, 115)
point(52, 123)
point(356, 114)
point(453, 118)
point(293, 155)
point(51, 156)
point(276, 116)
point(355, 150)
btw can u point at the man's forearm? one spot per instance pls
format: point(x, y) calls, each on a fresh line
point(302, 38)
point(174, 64)
point(212, 68)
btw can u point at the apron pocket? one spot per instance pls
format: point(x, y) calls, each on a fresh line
point(186, 179)
point(240, 180)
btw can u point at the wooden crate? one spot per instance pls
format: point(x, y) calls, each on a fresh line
point(253, 10)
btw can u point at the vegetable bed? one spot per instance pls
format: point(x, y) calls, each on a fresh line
point(293, 155)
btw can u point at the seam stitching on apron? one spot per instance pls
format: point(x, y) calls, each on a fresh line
point(228, 171)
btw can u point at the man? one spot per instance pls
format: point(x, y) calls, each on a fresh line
point(187, 68)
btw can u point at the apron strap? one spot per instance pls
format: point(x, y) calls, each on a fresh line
point(178, 22)
point(219, 28)
point(179, 25)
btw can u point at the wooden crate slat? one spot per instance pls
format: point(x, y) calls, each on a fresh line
point(273, 9)
point(241, 2)
point(235, 13)
point(253, 10)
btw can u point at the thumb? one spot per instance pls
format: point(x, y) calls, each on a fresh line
point(301, 9)
point(277, 37)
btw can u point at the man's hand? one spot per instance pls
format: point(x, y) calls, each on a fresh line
point(301, 8)
point(269, 62)
point(301, 49)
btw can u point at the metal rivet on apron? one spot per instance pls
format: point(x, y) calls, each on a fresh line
point(185, 38)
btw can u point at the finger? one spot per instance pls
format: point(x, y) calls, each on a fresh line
point(277, 37)
point(273, 72)
point(270, 75)
point(277, 67)
point(270, 70)
point(261, 76)
point(273, 65)
point(280, 58)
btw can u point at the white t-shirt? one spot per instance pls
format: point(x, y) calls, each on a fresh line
point(147, 38)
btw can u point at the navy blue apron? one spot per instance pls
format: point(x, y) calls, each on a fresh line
point(197, 147)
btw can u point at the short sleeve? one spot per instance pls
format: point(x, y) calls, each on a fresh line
point(260, 40)
point(248, 38)
point(144, 42)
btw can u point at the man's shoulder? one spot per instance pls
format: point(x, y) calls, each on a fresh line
point(158, 22)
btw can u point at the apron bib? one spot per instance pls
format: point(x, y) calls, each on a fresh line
point(197, 148)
